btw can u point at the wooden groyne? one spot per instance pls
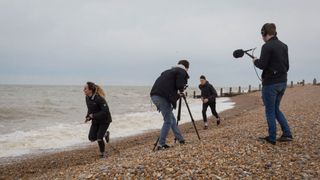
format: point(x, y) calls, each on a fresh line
point(232, 91)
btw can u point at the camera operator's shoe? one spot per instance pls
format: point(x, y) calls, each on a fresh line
point(107, 136)
point(267, 139)
point(218, 121)
point(163, 147)
point(285, 138)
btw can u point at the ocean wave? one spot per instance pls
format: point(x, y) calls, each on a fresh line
point(68, 134)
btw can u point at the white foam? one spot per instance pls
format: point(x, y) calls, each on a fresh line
point(64, 135)
point(54, 137)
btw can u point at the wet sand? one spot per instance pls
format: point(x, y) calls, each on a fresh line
point(229, 151)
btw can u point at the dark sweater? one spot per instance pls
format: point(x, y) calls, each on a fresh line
point(208, 92)
point(274, 61)
point(98, 106)
point(169, 83)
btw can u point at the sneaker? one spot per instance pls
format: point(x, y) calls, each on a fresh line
point(107, 136)
point(102, 156)
point(218, 121)
point(182, 142)
point(163, 147)
point(205, 127)
point(267, 139)
point(285, 138)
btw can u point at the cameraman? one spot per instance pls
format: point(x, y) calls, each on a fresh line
point(164, 95)
point(208, 97)
point(274, 62)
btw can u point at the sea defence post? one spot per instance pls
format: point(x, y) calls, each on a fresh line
point(241, 90)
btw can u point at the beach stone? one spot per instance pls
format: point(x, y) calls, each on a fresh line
point(103, 168)
point(89, 176)
point(268, 165)
point(82, 176)
point(169, 169)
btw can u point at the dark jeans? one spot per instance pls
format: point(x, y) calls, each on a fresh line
point(97, 131)
point(212, 105)
point(272, 95)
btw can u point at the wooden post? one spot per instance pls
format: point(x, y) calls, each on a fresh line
point(221, 92)
point(259, 87)
point(291, 84)
point(249, 89)
point(239, 90)
point(194, 94)
point(230, 91)
point(314, 81)
point(302, 82)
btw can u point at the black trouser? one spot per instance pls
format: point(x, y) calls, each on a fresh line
point(212, 105)
point(97, 133)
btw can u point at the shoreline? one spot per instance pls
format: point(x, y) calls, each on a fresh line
point(64, 147)
point(235, 135)
point(130, 140)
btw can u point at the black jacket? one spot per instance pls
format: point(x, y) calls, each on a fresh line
point(208, 92)
point(274, 61)
point(98, 106)
point(168, 84)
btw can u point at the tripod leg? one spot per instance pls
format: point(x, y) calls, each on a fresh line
point(192, 120)
point(155, 144)
point(179, 111)
point(178, 115)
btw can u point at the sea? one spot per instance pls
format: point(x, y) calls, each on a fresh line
point(36, 119)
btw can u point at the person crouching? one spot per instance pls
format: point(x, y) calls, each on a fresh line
point(98, 114)
point(164, 94)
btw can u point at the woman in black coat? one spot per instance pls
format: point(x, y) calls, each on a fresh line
point(98, 114)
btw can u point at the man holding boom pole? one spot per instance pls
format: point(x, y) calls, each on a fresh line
point(274, 61)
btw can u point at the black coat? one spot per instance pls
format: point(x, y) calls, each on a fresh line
point(274, 61)
point(169, 83)
point(98, 106)
point(208, 92)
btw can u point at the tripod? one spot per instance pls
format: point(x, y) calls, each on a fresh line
point(179, 117)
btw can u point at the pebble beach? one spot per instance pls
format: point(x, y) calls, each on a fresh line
point(228, 151)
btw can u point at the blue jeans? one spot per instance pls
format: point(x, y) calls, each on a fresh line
point(272, 95)
point(166, 109)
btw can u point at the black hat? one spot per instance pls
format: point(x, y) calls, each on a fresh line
point(185, 63)
point(202, 77)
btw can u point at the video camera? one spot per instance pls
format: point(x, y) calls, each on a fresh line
point(181, 93)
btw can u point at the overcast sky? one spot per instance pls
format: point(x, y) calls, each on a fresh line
point(130, 42)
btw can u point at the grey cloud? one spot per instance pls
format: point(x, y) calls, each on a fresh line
point(131, 42)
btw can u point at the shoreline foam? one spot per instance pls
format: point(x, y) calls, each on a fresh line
point(66, 136)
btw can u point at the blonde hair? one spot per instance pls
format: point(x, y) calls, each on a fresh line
point(100, 91)
point(96, 89)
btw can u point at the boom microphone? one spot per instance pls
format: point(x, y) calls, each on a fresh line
point(240, 52)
